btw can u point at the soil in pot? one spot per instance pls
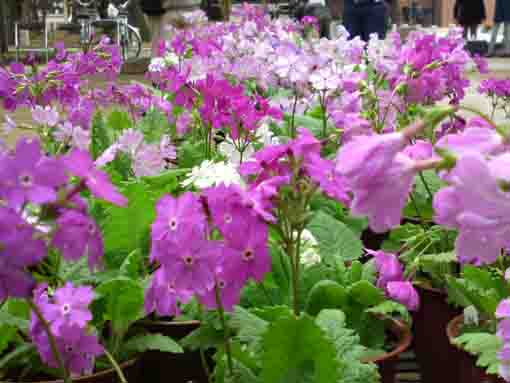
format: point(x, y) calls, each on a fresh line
point(400, 335)
point(434, 353)
point(130, 368)
point(467, 370)
point(160, 367)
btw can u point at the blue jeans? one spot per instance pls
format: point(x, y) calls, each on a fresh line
point(363, 20)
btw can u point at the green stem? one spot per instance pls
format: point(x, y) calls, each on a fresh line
point(205, 365)
point(415, 205)
point(292, 117)
point(53, 342)
point(324, 116)
point(427, 188)
point(291, 251)
point(115, 366)
point(297, 264)
point(226, 338)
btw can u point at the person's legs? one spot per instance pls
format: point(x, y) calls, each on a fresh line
point(374, 21)
point(352, 21)
point(494, 38)
point(506, 38)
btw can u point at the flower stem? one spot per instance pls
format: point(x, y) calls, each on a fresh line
point(427, 188)
point(293, 132)
point(205, 365)
point(226, 338)
point(115, 366)
point(324, 116)
point(53, 342)
point(481, 114)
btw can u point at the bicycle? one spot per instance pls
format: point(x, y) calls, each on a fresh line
point(128, 37)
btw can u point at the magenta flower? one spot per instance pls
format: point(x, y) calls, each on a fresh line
point(78, 349)
point(162, 297)
point(230, 293)
point(388, 267)
point(382, 198)
point(503, 309)
point(18, 250)
point(29, 176)
point(69, 307)
point(479, 140)
point(420, 150)
point(365, 159)
point(477, 205)
point(404, 293)
point(246, 254)
point(323, 172)
point(80, 164)
point(192, 266)
point(176, 218)
point(78, 235)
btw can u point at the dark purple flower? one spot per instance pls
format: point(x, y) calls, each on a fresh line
point(80, 164)
point(77, 236)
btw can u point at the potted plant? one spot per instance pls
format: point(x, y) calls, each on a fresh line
point(61, 321)
point(479, 335)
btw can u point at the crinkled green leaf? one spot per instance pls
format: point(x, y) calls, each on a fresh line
point(326, 295)
point(348, 349)
point(296, 348)
point(366, 294)
point(337, 243)
point(484, 346)
point(155, 342)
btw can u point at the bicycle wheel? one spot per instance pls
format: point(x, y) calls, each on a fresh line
point(131, 43)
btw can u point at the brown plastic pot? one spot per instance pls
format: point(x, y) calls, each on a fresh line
point(434, 353)
point(130, 368)
point(159, 367)
point(387, 362)
point(467, 370)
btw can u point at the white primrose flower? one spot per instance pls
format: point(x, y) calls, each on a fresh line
point(157, 64)
point(309, 253)
point(211, 173)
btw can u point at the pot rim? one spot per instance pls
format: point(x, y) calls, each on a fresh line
point(453, 329)
point(403, 333)
point(99, 374)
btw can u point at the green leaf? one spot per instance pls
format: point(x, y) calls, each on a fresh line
point(485, 346)
point(486, 280)
point(348, 348)
point(101, 138)
point(355, 271)
point(326, 295)
point(127, 228)
point(250, 327)
point(155, 342)
point(206, 336)
point(337, 243)
point(295, 348)
point(118, 120)
point(124, 301)
point(7, 335)
point(153, 125)
point(132, 265)
point(366, 294)
point(12, 320)
point(16, 353)
point(390, 308)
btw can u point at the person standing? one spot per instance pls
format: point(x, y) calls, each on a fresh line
point(364, 17)
point(164, 14)
point(501, 17)
point(469, 14)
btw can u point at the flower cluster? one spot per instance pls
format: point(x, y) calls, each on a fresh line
point(207, 246)
point(67, 314)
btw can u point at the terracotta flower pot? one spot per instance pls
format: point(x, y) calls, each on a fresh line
point(388, 361)
point(159, 367)
point(467, 369)
point(433, 350)
point(130, 368)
